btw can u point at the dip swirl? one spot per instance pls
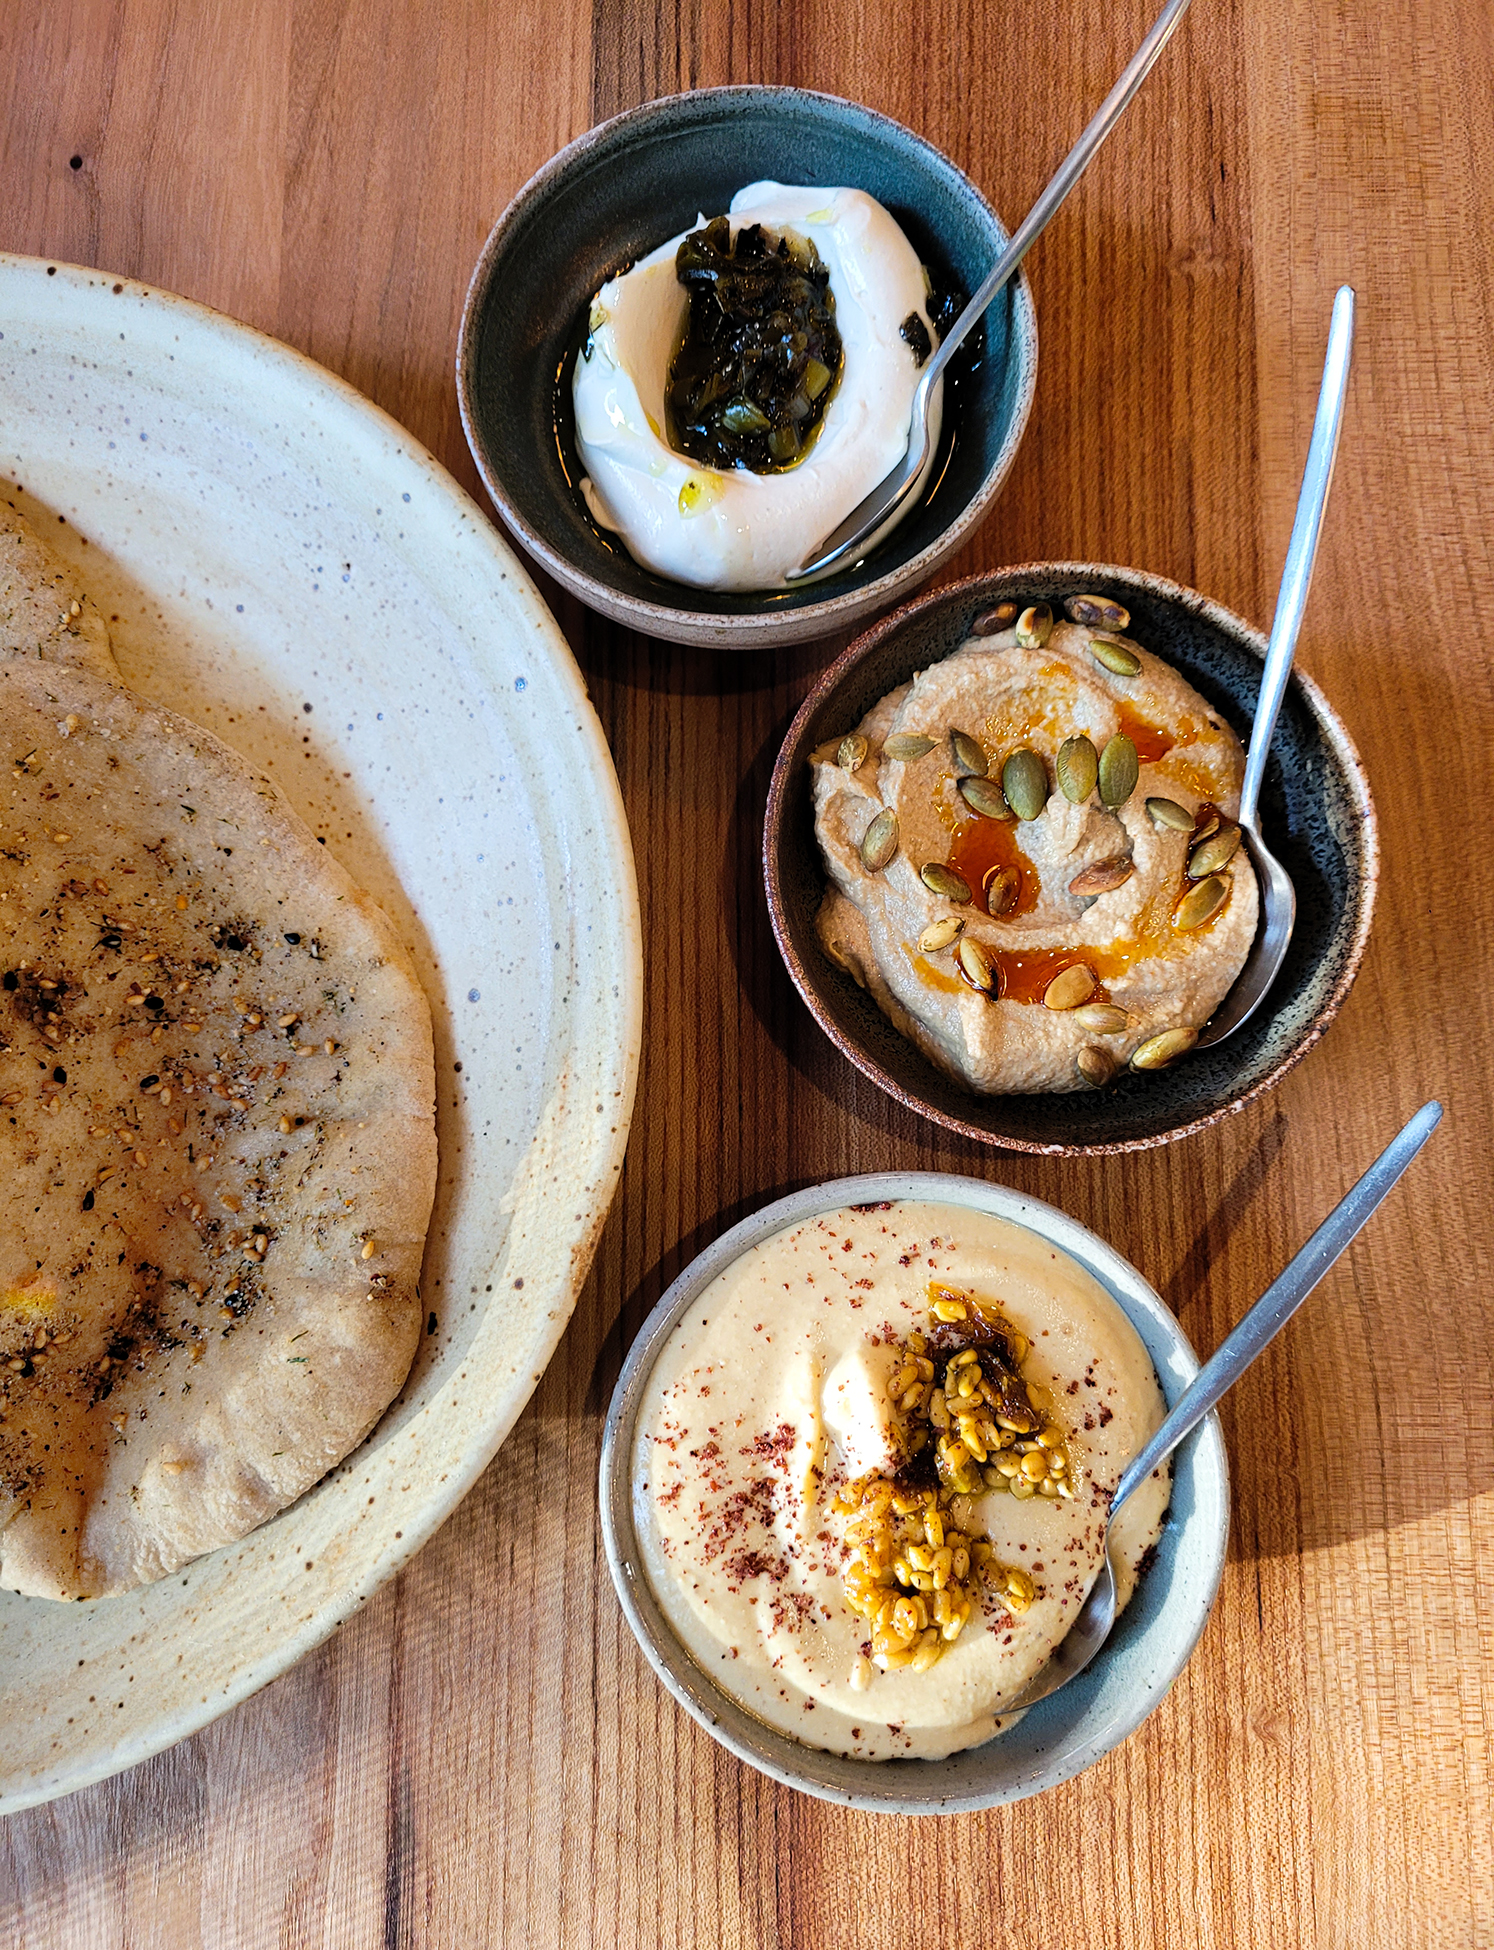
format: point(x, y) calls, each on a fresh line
point(1145, 971)
point(775, 1402)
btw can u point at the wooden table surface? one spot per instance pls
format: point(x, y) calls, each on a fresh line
point(481, 1756)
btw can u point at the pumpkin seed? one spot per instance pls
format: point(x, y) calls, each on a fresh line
point(1119, 770)
point(985, 797)
point(1096, 1066)
point(1202, 902)
point(1025, 784)
point(1069, 987)
point(1101, 1018)
point(1078, 767)
point(976, 965)
point(1115, 657)
point(1002, 888)
point(1158, 1051)
point(1097, 612)
point(1207, 823)
point(1167, 812)
point(1035, 626)
point(943, 880)
point(969, 757)
point(990, 621)
point(1103, 876)
point(879, 841)
point(1210, 854)
point(852, 753)
point(1214, 853)
point(907, 745)
point(939, 934)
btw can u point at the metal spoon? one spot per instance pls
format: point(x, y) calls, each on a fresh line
point(1278, 897)
point(864, 521)
point(1237, 1352)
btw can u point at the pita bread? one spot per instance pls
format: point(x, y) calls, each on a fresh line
point(217, 1146)
point(44, 611)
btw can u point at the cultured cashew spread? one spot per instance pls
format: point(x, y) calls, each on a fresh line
point(873, 1466)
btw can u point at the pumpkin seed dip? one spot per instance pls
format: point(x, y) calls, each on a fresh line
point(872, 1471)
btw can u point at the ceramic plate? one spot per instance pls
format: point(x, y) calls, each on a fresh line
point(282, 562)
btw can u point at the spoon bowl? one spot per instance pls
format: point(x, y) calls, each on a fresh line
point(1315, 803)
point(1152, 1644)
point(616, 193)
point(1273, 936)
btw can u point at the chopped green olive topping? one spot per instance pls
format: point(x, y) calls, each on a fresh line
point(750, 384)
point(743, 417)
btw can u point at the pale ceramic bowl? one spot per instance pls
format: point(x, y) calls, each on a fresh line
point(615, 194)
point(1061, 1735)
point(1316, 813)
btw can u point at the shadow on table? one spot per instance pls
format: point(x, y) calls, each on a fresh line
point(609, 653)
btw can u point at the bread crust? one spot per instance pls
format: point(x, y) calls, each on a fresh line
point(44, 610)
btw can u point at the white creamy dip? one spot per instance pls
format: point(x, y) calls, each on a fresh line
point(731, 529)
point(771, 1395)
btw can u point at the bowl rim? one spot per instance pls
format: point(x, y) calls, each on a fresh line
point(995, 582)
point(751, 1740)
point(736, 630)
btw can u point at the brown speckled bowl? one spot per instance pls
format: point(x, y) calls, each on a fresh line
point(1316, 814)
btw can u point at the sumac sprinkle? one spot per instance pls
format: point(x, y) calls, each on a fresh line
point(750, 384)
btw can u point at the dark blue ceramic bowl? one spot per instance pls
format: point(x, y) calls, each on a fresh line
point(615, 194)
point(1316, 814)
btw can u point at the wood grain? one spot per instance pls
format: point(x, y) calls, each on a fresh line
point(481, 1757)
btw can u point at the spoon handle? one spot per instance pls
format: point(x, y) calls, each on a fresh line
point(1280, 1300)
point(1302, 549)
point(1059, 184)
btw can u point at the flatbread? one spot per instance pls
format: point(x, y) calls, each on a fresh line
point(217, 1145)
point(44, 610)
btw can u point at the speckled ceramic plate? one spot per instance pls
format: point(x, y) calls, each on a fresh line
point(285, 564)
